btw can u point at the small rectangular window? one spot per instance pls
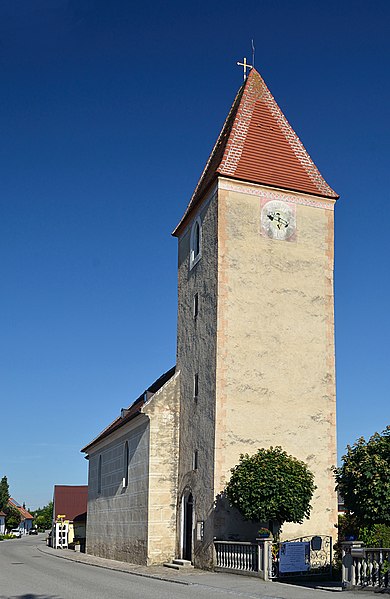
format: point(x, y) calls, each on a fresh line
point(196, 305)
point(200, 530)
point(195, 460)
point(196, 385)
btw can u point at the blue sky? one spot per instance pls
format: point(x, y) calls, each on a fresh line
point(108, 112)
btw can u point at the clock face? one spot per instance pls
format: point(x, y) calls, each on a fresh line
point(278, 220)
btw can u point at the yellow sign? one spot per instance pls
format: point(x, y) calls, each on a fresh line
point(61, 516)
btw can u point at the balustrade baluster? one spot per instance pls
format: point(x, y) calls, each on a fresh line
point(359, 572)
point(365, 570)
point(380, 568)
point(372, 567)
point(376, 566)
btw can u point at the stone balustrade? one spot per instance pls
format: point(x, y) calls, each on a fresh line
point(253, 559)
point(365, 566)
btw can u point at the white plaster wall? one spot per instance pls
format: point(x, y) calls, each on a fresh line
point(275, 348)
point(163, 411)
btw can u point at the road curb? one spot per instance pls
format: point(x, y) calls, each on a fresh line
point(115, 569)
point(118, 568)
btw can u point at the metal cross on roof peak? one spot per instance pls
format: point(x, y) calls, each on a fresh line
point(246, 66)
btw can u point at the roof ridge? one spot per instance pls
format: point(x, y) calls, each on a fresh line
point(296, 144)
point(235, 143)
point(258, 144)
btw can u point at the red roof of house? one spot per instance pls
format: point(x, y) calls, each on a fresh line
point(257, 144)
point(23, 512)
point(2, 513)
point(70, 500)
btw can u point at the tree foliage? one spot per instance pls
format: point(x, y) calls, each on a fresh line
point(364, 479)
point(43, 516)
point(4, 493)
point(271, 485)
point(12, 517)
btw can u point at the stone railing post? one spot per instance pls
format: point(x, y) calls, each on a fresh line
point(348, 572)
point(264, 553)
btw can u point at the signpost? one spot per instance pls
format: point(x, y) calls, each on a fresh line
point(294, 557)
point(61, 529)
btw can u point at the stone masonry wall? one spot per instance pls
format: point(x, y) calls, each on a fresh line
point(117, 517)
point(196, 347)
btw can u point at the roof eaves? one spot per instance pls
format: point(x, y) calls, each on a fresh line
point(135, 409)
point(334, 196)
point(114, 426)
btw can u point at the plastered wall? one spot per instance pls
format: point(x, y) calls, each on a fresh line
point(275, 382)
point(163, 412)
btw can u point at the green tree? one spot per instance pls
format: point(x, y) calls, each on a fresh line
point(43, 517)
point(364, 480)
point(4, 493)
point(12, 517)
point(271, 485)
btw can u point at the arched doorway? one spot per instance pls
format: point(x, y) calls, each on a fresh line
point(187, 525)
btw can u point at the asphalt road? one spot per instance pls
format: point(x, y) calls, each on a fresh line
point(28, 573)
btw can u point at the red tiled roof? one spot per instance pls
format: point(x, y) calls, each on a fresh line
point(257, 144)
point(2, 513)
point(23, 512)
point(70, 500)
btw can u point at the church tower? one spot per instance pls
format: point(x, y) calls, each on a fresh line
point(255, 319)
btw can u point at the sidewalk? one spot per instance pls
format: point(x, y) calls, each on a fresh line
point(245, 586)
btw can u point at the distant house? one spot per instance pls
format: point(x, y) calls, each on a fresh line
point(2, 523)
point(69, 516)
point(26, 518)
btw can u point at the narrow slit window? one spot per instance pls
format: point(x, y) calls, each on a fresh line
point(196, 305)
point(195, 460)
point(195, 242)
point(196, 385)
point(125, 480)
point(99, 483)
